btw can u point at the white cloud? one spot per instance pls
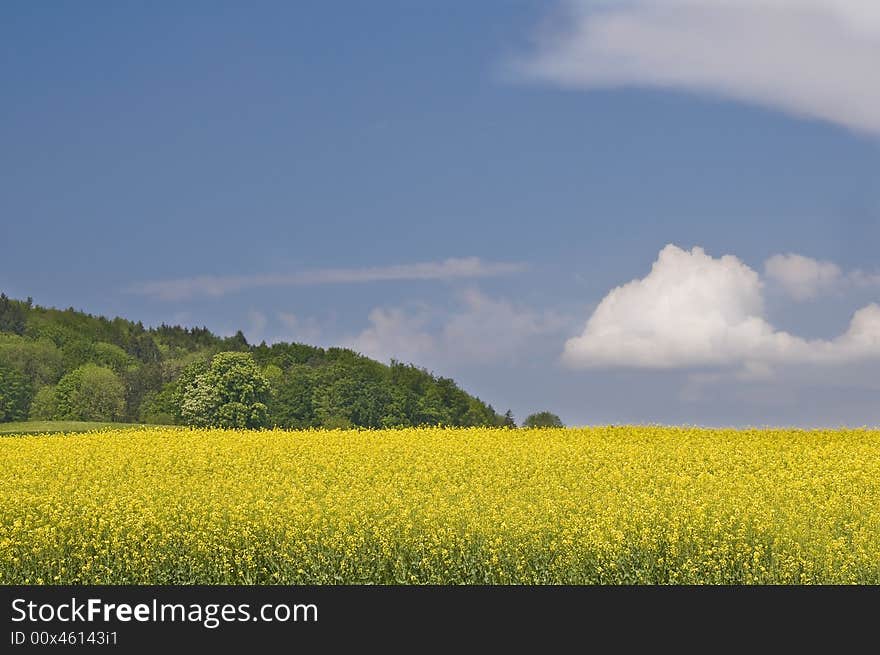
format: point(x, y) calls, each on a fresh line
point(482, 330)
point(216, 285)
point(693, 310)
point(495, 329)
point(811, 58)
point(861, 279)
point(803, 278)
point(258, 321)
point(297, 329)
point(394, 334)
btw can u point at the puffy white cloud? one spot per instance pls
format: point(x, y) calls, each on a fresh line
point(862, 339)
point(803, 278)
point(693, 310)
point(481, 330)
point(812, 58)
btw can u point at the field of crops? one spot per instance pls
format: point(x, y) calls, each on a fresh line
point(599, 505)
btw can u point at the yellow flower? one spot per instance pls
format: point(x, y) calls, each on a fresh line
point(439, 506)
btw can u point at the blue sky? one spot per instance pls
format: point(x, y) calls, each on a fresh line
point(463, 185)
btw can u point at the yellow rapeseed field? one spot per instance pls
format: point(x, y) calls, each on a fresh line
point(597, 505)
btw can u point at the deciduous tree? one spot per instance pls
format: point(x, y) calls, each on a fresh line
point(90, 393)
point(231, 393)
point(542, 420)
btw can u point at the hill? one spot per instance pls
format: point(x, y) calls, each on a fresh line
point(70, 365)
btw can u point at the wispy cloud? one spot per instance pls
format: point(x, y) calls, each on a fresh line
point(258, 321)
point(480, 330)
point(813, 58)
point(220, 285)
point(300, 329)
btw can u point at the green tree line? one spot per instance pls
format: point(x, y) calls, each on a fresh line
point(70, 365)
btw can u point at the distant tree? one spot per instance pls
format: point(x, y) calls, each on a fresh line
point(454, 400)
point(77, 351)
point(144, 348)
point(15, 395)
point(111, 356)
point(44, 407)
point(292, 403)
point(352, 390)
point(478, 414)
point(508, 421)
point(231, 393)
point(273, 374)
point(399, 408)
point(309, 386)
point(39, 360)
point(153, 412)
point(236, 342)
point(431, 408)
point(542, 420)
point(162, 397)
point(140, 381)
point(90, 393)
point(13, 314)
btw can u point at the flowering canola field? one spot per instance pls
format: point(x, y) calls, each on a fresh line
point(596, 505)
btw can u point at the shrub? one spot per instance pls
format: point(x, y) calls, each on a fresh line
point(542, 420)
